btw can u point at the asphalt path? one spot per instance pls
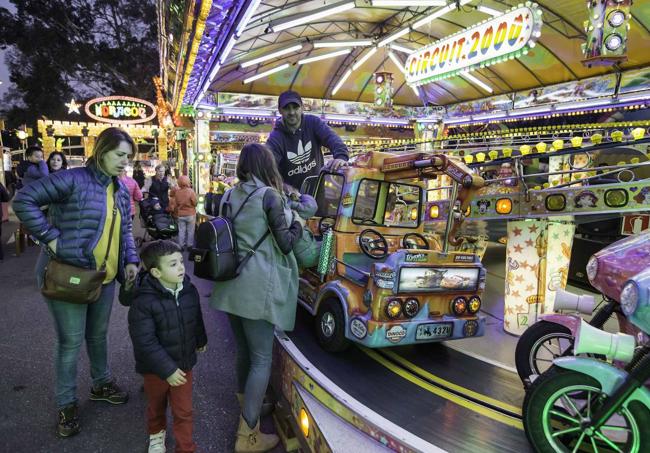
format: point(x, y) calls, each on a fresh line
point(27, 407)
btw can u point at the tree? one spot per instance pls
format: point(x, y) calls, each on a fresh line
point(76, 48)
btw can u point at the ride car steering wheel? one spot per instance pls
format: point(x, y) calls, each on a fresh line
point(415, 241)
point(373, 244)
point(325, 223)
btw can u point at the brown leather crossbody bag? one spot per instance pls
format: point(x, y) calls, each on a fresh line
point(77, 285)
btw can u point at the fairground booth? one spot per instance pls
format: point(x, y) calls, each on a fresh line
point(140, 118)
point(498, 151)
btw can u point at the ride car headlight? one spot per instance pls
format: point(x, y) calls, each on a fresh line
point(459, 305)
point(474, 304)
point(629, 298)
point(394, 308)
point(592, 269)
point(411, 307)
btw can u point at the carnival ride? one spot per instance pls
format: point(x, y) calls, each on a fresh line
point(382, 281)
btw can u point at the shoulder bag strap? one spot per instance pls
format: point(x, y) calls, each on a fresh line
point(242, 205)
point(110, 237)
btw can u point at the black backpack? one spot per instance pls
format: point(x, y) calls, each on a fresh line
point(215, 249)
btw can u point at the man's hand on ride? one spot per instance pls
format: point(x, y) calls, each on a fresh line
point(335, 164)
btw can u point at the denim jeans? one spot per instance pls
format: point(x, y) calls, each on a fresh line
point(186, 230)
point(73, 323)
point(254, 340)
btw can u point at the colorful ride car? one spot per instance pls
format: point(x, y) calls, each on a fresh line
point(382, 280)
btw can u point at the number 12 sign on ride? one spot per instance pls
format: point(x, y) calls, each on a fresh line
point(493, 41)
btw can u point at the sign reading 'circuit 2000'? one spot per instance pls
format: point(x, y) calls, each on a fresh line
point(484, 44)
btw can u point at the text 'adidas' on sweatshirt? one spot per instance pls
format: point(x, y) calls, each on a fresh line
point(299, 154)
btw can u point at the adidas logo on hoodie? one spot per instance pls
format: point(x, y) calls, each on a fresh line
point(301, 155)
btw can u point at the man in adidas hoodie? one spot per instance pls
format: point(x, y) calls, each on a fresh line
point(296, 142)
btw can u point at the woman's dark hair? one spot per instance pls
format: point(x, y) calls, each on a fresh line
point(64, 165)
point(256, 159)
point(108, 140)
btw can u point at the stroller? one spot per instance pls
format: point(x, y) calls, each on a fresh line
point(157, 223)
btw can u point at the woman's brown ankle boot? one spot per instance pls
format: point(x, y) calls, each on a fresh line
point(253, 440)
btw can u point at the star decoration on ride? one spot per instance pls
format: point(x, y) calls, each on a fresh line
point(533, 228)
point(73, 107)
point(518, 248)
point(529, 242)
point(530, 288)
point(517, 231)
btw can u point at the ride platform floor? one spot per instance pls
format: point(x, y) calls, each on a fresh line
point(462, 395)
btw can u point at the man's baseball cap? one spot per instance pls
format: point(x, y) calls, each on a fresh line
point(287, 98)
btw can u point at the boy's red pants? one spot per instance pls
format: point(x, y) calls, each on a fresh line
point(180, 400)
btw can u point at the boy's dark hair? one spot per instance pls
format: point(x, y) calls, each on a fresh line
point(32, 149)
point(153, 251)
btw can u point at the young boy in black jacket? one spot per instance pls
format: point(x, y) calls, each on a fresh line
point(166, 327)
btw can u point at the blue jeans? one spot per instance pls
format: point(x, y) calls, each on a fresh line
point(186, 225)
point(73, 323)
point(254, 340)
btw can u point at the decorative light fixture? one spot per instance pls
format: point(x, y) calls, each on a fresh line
point(359, 43)
point(363, 59)
point(272, 55)
point(213, 72)
point(404, 3)
point(310, 17)
point(266, 73)
point(398, 63)
point(400, 48)
point(324, 56)
point(247, 17)
point(475, 81)
point(439, 13)
point(73, 107)
point(227, 49)
point(490, 11)
point(341, 82)
point(393, 37)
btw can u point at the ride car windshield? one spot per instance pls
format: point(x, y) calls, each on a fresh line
point(387, 204)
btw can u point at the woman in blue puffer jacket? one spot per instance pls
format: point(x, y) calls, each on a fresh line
point(77, 229)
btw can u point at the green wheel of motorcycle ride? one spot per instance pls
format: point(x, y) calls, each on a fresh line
point(557, 405)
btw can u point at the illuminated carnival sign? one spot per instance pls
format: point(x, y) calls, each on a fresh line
point(493, 41)
point(120, 110)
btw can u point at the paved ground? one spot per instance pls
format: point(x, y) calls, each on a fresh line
point(27, 409)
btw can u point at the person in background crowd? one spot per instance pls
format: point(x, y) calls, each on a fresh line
point(56, 161)
point(264, 295)
point(219, 187)
point(134, 191)
point(83, 202)
point(296, 142)
point(32, 168)
point(182, 204)
point(166, 328)
point(8, 169)
point(138, 174)
point(159, 187)
point(4, 198)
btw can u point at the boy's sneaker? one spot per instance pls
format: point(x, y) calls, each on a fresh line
point(157, 442)
point(109, 392)
point(68, 421)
